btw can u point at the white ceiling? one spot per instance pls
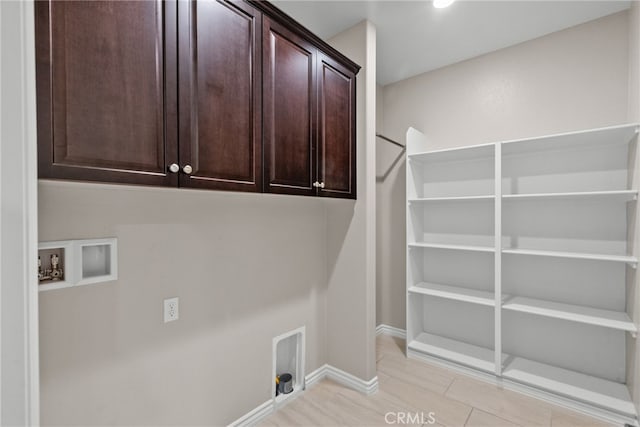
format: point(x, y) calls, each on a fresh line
point(413, 37)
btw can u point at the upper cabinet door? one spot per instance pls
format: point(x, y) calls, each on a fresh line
point(289, 111)
point(101, 83)
point(220, 95)
point(337, 132)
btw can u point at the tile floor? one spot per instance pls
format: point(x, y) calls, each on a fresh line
point(418, 388)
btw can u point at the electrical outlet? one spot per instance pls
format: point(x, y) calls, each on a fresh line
point(171, 307)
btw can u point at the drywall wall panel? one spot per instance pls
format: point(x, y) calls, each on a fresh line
point(351, 228)
point(246, 267)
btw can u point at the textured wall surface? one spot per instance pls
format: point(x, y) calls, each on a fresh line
point(246, 268)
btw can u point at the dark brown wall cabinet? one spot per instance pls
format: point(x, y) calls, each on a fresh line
point(220, 89)
point(336, 130)
point(309, 106)
point(204, 94)
point(103, 69)
point(289, 111)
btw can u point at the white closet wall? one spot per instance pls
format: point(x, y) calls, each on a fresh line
point(517, 261)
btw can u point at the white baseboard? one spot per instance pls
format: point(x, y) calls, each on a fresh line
point(351, 381)
point(325, 371)
point(315, 376)
point(383, 329)
point(254, 416)
point(344, 378)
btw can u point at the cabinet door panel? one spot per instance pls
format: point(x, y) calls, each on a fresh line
point(102, 112)
point(336, 142)
point(289, 112)
point(220, 86)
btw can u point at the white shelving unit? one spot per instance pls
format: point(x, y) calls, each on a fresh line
point(454, 293)
point(451, 199)
point(452, 247)
point(575, 313)
point(518, 262)
point(604, 394)
point(465, 354)
point(621, 195)
point(576, 255)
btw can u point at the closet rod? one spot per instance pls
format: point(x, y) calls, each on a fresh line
point(390, 140)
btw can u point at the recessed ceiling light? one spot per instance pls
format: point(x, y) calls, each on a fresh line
point(441, 4)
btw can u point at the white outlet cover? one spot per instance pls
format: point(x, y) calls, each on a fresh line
point(171, 309)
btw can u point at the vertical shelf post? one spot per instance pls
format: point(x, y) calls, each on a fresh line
point(498, 260)
point(416, 142)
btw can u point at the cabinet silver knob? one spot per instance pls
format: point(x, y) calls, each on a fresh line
point(174, 168)
point(321, 185)
point(187, 169)
point(316, 184)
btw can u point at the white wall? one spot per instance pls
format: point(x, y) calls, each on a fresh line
point(246, 267)
point(569, 80)
point(351, 230)
point(18, 233)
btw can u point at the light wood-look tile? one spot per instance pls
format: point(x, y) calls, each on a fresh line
point(447, 411)
point(502, 403)
point(417, 373)
point(386, 345)
point(480, 418)
point(381, 402)
point(303, 413)
point(412, 386)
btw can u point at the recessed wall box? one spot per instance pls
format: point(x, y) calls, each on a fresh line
point(96, 261)
point(67, 263)
point(55, 265)
point(288, 358)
